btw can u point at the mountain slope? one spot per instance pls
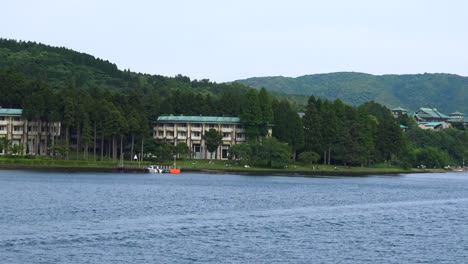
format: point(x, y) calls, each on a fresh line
point(60, 67)
point(446, 92)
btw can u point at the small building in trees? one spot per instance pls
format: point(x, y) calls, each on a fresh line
point(431, 118)
point(191, 130)
point(458, 119)
point(398, 111)
point(21, 136)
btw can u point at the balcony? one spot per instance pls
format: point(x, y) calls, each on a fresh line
point(180, 128)
point(227, 138)
point(226, 129)
point(169, 128)
point(196, 129)
point(18, 123)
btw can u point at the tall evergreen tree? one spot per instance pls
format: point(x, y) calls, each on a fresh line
point(266, 109)
point(251, 115)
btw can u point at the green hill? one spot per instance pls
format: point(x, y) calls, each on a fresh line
point(446, 92)
point(60, 66)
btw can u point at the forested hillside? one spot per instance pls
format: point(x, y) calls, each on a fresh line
point(105, 112)
point(96, 102)
point(446, 92)
point(24, 63)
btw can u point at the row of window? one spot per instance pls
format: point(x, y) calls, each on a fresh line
point(16, 119)
point(20, 129)
point(196, 134)
point(196, 125)
point(15, 128)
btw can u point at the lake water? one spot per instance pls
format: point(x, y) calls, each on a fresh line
point(51, 217)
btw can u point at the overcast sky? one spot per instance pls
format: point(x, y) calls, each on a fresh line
point(229, 40)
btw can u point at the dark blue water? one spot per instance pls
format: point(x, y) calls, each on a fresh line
point(139, 218)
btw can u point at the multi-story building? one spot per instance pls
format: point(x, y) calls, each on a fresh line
point(398, 111)
point(33, 136)
point(431, 118)
point(191, 130)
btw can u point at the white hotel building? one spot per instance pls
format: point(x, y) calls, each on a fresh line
point(191, 129)
point(34, 136)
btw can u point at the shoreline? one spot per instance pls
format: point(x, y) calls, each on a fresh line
point(255, 172)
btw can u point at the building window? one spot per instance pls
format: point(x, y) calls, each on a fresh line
point(17, 128)
point(240, 135)
point(182, 134)
point(170, 134)
point(211, 126)
point(239, 126)
point(2, 128)
point(196, 134)
point(196, 125)
point(226, 126)
point(182, 125)
point(226, 135)
point(16, 119)
point(2, 118)
point(160, 133)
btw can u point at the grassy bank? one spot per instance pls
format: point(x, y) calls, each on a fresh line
point(196, 165)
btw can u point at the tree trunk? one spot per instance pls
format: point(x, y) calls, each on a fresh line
point(78, 139)
point(94, 147)
point(85, 151)
point(102, 146)
point(141, 159)
point(114, 148)
point(67, 139)
point(46, 144)
point(53, 141)
point(109, 149)
point(131, 151)
point(121, 148)
point(38, 137)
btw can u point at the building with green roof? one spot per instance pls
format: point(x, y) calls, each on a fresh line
point(458, 119)
point(190, 130)
point(398, 111)
point(428, 114)
point(31, 136)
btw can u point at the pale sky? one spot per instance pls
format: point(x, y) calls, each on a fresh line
point(229, 40)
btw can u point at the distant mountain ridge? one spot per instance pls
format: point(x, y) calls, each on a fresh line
point(446, 92)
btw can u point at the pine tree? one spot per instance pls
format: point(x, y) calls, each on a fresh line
point(251, 115)
point(266, 110)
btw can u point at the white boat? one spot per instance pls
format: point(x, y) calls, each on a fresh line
point(155, 169)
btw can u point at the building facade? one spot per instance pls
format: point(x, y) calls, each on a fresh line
point(32, 136)
point(398, 111)
point(431, 118)
point(191, 130)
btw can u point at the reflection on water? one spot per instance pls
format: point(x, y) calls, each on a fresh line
point(135, 218)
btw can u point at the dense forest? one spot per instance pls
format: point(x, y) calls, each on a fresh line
point(106, 112)
point(446, 92)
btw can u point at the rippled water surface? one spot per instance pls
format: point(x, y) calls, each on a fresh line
point(207, 218)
